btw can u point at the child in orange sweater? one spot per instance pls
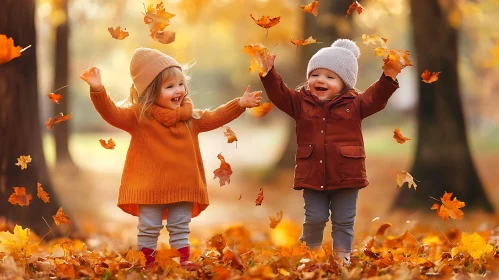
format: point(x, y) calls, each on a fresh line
point(163, 176)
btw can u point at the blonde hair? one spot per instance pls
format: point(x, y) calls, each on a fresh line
point(143, 103)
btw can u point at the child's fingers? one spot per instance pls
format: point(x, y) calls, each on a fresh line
point(248, 89)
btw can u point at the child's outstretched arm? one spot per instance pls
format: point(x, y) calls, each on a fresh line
point(374, 98)
point(286, 99)
point(123, 118)
point(228, 112)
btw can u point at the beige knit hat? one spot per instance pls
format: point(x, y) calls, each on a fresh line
point(146, 64)
point(341, 58)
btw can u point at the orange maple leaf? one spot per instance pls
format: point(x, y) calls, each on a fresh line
point(403, 177)
point(313, 8)
point(20, 197)
point(7, 49)
point(117, 33)
point(274, 221)
point(399, 137)
point(259, 198)
point(58, 119)
point(373, 39)
point(164, 256)
point(135, 257)
point(260, 58)
point(395, 61)
point(164, 37)
point(355, 6)
point(240, 196)
point(223, 172)
point(61, 218)
point(428, 77)
point(449, 208)
point(308, 41)
point(266, 22)
point(54, 97)
point(158, 19)
point(262, 110)
point(109, 145)
point(42, 194)
point(23, 161)
point(231, 136)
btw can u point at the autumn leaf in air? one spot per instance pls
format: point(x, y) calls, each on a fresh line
point(403, 177)
point(117, 33)
point(157, 18)
point(14, 242)
point(399, 137)
point(164, 37)
point(7, 49)
point(41, 193)
point(55, 97)
point(394, 62)
point(428, 77)
point(240, 196)
point(23, 161)
point(20, 197)
point(262, 110)
point(449, 208)
point(382, 229)
point(58, 119)
point(109, 145)
point(61, 218)
point(218, 242)
point(312, 8)
point(259, 198)
point(266, 22)
point(355, 6)
point(474, 244)
point(373, 39)
point(259, 58)
point(274, 221)
point(223, 172)
point(308, 41)
point(231, 136)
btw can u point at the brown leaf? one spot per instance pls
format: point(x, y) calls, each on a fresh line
point(399, 137)
point(266, 21)
point(109, 145)
point(231, 136)
point(218, 242)
point(61, 218)
point(58, 119)
point(223, 172)
point(240, 196)
point(117, 33)
point(55, 97)
point(381, 230)
point(275, 221)
point(20, 197)
point(403, 177)
point(259, 198)
point(44, 196)
point(355, 6)
point(428, 77)
point(312, 8)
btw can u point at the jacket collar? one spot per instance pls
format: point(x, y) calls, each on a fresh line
point(346, 97)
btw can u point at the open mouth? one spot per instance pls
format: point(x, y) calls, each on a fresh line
point(320, 89)
point(176, 99)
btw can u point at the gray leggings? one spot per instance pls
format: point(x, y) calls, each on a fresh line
point(151, 222)
point(342, 204)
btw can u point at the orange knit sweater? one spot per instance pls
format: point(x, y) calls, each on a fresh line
point(163, 163)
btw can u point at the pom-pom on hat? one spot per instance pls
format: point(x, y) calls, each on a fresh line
point(340, 58)
point(146, 64)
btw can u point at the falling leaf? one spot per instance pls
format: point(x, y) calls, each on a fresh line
point(449, 208)
point(20, 197)
point(373, 39)
point(158, 19)
point(218, 242)
point(223, 172)
point(135, 257)
point(394, 62)
point(274, 221)
point(355, 6)
point(259, 198)
point(428, 77)
point(14, 242)
point(399, 137)
point(473, 244)
point(313, 8)
point(403, 177)
point(58, 119)
point(7, 49)
point(117, 33)
point(382, 229)
point(55, 97)
point(396, 242)
point(61, 218)
point(109, 145)
point(23, 161)
point(259, 57)
point(381, 51)
point(240, 196)
point(262, 110)
point(299, 42)
point(231, 136)
point(44, 196)
point(266, 22)
point(164, 37)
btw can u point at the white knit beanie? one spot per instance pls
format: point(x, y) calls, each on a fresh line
point(146, 64)
point(341, 58)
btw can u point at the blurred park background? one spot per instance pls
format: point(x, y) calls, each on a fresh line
point(453, 123)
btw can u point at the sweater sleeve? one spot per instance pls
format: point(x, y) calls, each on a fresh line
point(374, 98)
point(286, 99)
point(222, 115)
point(122, 118)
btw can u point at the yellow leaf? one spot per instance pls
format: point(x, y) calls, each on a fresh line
point(403, 177)
point(14, 242)
point(23, 161)
point(136, 257)
point(473, 244)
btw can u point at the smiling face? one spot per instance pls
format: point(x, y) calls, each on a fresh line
point(173, 89)
point(325, 84)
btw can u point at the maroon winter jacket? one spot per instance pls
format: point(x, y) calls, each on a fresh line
point(330, 148)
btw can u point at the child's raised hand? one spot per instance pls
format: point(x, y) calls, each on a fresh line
point(250, 99)
point(92, 77)
point(268, 63)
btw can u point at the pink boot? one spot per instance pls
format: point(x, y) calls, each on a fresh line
point(149, 254)
point(184, 260)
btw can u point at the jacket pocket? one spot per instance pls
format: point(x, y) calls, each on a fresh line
point(344, 111)
point(353, 162)
point(303, 165)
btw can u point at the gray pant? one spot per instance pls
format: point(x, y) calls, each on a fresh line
point(151, 222)
point(342, 204)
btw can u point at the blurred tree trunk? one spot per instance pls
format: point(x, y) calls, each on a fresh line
point(443, 161)
point(61, 72)
point(328, 26)
point(19, 122)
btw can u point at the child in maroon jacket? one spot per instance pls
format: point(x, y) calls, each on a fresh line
point(330, 156)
